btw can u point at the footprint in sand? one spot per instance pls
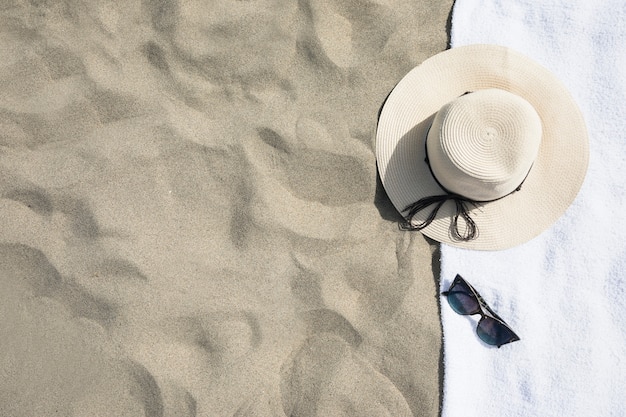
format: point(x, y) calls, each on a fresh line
point(35, 199)
point(313, 180)
point(325, 321)
point(29, 271)
point(224, 336)
point(53, 341)
point(326, 377)
point(349, 32)
point(310, 174)
point(244, 42)
point(129, 389)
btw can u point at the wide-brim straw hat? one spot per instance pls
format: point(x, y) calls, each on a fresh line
point(514, 151)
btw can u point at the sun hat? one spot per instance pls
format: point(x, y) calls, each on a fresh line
point(481, 147)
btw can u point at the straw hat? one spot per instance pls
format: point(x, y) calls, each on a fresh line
point(480, 147)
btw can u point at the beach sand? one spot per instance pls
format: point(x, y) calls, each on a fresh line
point(192, 223)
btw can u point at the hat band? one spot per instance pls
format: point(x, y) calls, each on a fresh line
point(461, 207)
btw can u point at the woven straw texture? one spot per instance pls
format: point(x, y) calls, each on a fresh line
point(556, 175)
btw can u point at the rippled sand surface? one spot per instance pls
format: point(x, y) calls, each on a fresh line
point(191, 219)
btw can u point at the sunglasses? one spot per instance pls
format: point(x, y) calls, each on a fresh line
point(465, 300)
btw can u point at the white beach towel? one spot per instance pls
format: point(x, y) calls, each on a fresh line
point(564, 293)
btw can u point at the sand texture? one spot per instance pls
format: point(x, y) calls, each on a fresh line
point(191, 219)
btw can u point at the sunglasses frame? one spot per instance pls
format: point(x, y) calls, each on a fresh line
point(482, 307)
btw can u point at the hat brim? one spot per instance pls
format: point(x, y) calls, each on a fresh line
point(556, 175)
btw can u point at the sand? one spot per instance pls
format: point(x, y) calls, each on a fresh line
point(192, 223)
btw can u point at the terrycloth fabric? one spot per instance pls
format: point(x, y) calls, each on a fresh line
point(564, 293)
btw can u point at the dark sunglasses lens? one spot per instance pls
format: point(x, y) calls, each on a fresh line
point(463, 303)
point(494, 333)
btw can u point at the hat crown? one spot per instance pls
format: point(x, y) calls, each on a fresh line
point(483, 144)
